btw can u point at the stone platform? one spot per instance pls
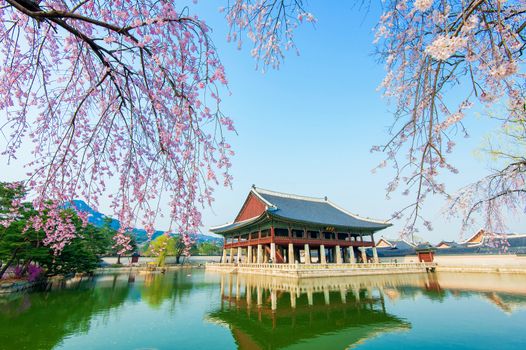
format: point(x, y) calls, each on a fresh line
point(321, 270)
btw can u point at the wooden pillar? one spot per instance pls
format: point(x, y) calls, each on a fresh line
point(231, 255)
point(338, 252)
point(291, 253)
point(343, 294)
point(356, 292)
point(293, 300)
point(375, 252)
point(249, 254)
point(248, 293)
point(259, 293)
point(238, 259)
point(230, 277)
point(352, 258)
point(323, 258)
point(326, 295)
point(375, 255)
point(273, 300)
point(307, 254)
point(260, 254)
point(273, 252)
point(364, 255)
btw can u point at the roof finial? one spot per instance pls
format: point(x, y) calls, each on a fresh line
point(326, 198)
point(253, 186)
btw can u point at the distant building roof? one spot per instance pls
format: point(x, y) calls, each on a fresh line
point(303, 209)
point(400, 244)
point(447, 244)
point(483, 238)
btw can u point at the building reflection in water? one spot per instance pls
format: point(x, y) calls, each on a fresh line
point(265, 312)
point(275, 313)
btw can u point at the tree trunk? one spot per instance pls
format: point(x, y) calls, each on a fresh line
point(6, 266)
point(26, 266)
point(177, 257)
point(118, 259)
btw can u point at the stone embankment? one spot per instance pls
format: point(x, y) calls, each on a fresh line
point(322, 270)
point(490, 263)
point(17, 286)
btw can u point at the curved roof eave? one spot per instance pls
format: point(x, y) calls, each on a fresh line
point(381, 226)
point(240, 224)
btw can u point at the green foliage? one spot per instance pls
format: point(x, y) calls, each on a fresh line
point(82, 254)
point(21, 244)
point(8, 194)
point(164, 246)
point(206, 249)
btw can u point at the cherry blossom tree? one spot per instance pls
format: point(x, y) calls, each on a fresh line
point(269, 25)
point(130, 89)
point(121, 89)
point(441, 57)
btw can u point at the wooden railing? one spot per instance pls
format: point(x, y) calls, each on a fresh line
point(284, 240)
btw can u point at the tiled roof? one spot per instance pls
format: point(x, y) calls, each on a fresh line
point(232, 226)
point(314, 210)
point(306, 209)
point(399, 244)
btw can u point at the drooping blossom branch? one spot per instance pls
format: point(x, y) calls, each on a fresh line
point(269, 24)
point(105, 90)
point(505, 188)
point(442, 57)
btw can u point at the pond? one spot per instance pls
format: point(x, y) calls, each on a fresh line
point(194, 309)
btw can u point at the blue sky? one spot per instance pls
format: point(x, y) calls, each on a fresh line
point(308, 128)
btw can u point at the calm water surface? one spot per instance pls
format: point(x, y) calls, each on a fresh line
point(194, 309)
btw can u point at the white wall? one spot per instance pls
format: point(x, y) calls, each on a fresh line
point(477, 260)
point(481, 260)
point(169, 260)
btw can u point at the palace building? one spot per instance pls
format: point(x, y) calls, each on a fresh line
point(274, 227)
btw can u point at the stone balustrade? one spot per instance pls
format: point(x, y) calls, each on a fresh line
point(321, 270)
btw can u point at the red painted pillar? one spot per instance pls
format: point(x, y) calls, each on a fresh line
point(272, 233)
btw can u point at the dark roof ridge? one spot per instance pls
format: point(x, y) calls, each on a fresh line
point(258, 190)
point(287, 195)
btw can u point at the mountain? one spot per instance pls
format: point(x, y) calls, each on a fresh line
point(97, 219)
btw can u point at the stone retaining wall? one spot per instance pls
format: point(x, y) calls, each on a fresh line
point(317, 270)
point(503, 263)
point(18, 286)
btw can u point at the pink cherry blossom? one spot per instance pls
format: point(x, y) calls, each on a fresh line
point(119, 100)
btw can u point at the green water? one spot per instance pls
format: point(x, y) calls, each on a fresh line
point(194, 309)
